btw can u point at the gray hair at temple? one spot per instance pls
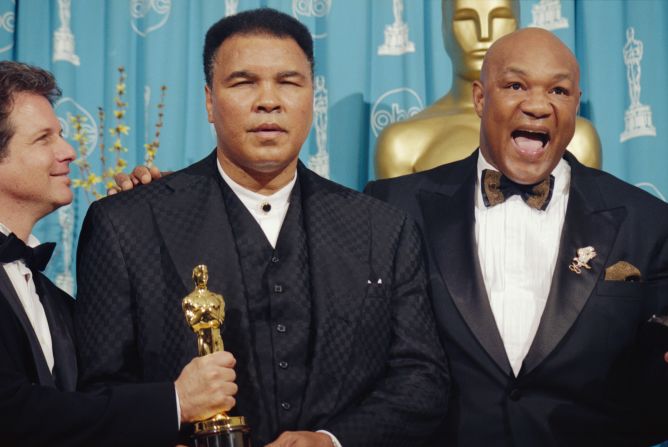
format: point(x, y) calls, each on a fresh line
point(17, 77)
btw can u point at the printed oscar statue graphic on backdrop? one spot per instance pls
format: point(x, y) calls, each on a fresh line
point(64, 278)
point(231, 7)
point(396, 34)
point(638, 117)
point(63, 38)
point(319, 162)
point(547, 14)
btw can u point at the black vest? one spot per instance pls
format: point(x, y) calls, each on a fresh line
point(277, 289)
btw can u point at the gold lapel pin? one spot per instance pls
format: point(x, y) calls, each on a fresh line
point(585, 254)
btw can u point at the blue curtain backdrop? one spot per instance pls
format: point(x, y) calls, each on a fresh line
point(362, 82)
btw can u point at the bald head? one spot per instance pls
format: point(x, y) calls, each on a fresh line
point(529, 44)
point(527, 98)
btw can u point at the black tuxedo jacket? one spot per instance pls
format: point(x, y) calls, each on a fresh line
point(377, 373)
point(38, 408)
point(580, 381)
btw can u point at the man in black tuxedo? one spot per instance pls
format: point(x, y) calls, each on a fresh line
point(38, 368)
point(327, 313)
point(540, 304)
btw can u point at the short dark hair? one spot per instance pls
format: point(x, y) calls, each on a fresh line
point(17, 77)
point(263, 21)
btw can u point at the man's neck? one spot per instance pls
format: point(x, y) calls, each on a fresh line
point(265, 183)
point(18, 224)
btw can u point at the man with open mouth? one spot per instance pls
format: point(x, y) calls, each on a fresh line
point(543, 272)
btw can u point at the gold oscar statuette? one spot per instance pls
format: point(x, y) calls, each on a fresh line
point(449, 129)
point(205, 312)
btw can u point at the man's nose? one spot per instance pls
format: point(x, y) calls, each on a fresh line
point(537, 104)
point(268, 99)
point(65, 151)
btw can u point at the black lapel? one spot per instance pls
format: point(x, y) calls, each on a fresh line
point(587, 223)
point(205, 237)
point(59, 315)
point(449, 231)
point(339, 269)
point(7, 290)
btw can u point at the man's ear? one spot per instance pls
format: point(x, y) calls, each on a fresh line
point(209, 104)
point(478, 97)
point(577, 110)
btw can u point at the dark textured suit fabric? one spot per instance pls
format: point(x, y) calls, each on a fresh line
point(579, 382)
point(39, 409)
point(276, 284)
point(376, 373)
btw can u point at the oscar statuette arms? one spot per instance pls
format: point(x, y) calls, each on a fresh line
point(205, 313)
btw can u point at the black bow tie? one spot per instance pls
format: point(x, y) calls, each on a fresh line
point(496, 188)
point(12, 249)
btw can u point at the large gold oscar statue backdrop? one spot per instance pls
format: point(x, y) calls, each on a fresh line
point(449, 129)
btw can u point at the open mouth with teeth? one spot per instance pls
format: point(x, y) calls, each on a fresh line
point(530, 141)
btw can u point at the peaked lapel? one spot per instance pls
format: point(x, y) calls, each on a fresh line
point(7, 291)
point(587, 223)
point(59, 315)
point(339, 270)
point(204, 236)
point(449, 227)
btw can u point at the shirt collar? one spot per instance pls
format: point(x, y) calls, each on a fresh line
point(32, 240)
point(255, 201)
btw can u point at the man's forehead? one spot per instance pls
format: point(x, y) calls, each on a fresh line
point(527, 49)
point(261, 50)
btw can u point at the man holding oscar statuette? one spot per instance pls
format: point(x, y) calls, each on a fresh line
point(326, 309)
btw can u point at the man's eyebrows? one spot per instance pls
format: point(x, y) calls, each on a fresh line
point(566, 75)
point(245, 74)
point(241, 74)
point(513, 70)
point(290, 74)
point(43, 131)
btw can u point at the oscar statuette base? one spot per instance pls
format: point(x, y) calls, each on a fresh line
point(222, 431)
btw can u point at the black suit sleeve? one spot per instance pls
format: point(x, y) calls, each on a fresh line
point(128, 415)
point(407, 405)
point(103, 314)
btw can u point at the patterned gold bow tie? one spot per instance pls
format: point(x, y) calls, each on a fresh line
point(496, 188)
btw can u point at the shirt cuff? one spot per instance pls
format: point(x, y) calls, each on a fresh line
point(335, 442)
point(178, 409)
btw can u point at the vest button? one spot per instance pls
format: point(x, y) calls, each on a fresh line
point(283, 365)
point(274, 259)
point(515, 394)
point(278, 288)
point(281, 327)
point(285, 405)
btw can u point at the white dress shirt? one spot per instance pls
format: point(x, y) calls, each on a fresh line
point(270, 221)
point(22, 280)
point(517, 248)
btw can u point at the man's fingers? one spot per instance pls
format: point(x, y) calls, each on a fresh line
point(284, 440)
point(302, 439)
point(123, 181)
point(222, 358)
point(206, 386)
point(142, 174)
